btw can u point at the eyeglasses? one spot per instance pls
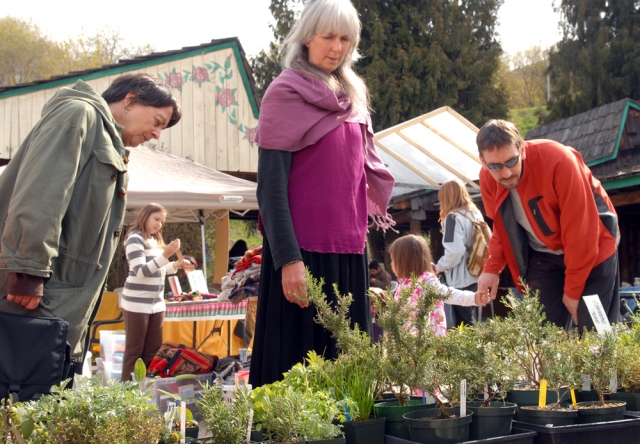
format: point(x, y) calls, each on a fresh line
point(498, 166)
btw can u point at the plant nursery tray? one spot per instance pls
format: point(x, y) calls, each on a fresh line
point(518, 436)
point(625, 431)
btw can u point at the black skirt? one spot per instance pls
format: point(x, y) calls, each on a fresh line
point(284, 331)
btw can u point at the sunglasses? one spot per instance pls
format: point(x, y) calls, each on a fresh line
point(509, 164)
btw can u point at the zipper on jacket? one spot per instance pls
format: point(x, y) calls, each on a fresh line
point(537, 215)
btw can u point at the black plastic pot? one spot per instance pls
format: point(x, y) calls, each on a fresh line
point(258, 435)
point(393, 413)
point(340, 440)
point(424, 428)
point(530, 397)
point(632, 399)
point(615, 432)
point(517, 436)
point(365, 432)
point(535, 415)
point(600, 414)
point(493, 420)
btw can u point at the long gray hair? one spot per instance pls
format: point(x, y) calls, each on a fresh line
point(329, 16)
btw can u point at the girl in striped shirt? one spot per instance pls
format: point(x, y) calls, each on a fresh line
point(142, 299)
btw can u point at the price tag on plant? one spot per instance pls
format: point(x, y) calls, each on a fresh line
point(463, 398)
point(598, 315)
point(542, 399)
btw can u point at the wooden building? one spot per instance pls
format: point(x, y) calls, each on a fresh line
point(212, 82)
point(608, 137)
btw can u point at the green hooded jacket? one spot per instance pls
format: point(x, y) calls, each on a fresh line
point(62, 206)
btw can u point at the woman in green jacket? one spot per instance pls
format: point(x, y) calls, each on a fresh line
point(64, 197)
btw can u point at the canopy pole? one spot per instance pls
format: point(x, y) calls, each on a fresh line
point(204, 247)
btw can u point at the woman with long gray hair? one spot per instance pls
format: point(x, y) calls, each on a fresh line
point(320, 181)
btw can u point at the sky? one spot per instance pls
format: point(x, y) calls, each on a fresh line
point(169, 25)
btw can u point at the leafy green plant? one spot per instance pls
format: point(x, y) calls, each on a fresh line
point(409, 343)
point(357, 374)
point(598, 359)
point(559, 361)
point(497, 371)
point(91, 413)
point(288, 414)
point(226, 423)
point(520, 334)
point(629, 354)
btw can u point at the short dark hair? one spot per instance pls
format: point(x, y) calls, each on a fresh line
point(498, 133)
point(374, 265)
point(147, 89)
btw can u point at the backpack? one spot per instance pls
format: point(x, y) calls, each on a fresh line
point(176, 359)
point(479, 250)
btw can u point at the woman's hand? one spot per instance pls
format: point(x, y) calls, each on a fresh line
point(28, 302)
point(293, 284)
point(171, 248)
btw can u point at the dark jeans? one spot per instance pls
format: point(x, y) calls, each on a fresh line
point(546, 273)
point(143, 339)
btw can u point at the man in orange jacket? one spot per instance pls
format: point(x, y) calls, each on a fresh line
point(553, 224)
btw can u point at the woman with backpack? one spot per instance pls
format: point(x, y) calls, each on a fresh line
point(457, 214)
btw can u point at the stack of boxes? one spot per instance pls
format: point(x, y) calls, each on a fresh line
point(188, 387)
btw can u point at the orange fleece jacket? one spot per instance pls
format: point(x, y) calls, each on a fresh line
point(570, 206)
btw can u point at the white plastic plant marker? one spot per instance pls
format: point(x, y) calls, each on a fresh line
point(463, 398)
point(598, 315)
point(183, 421)
point(586, 383)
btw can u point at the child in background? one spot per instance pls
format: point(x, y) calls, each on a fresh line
point(411, 256)
point(142, 299)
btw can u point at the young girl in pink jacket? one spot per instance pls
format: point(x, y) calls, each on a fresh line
point(411, 256)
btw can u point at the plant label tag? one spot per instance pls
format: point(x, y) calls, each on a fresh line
point(183, 420)
point(249, 424)
point(197, 282)
point(186, 392)
point(542, 398)
point(486, 391)
point(598, 315)
point(573, 398)
point(586, 383)
point(463, 398)
point(613, 383)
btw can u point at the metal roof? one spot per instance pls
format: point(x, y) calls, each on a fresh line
point(429, 150)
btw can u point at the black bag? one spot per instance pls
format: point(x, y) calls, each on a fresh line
point(34, 355)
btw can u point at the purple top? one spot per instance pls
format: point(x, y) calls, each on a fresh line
point(329, 213)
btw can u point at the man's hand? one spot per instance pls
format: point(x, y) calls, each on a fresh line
point(293, 284)
point(572, 307)
point(28, 302)
point(489, 280)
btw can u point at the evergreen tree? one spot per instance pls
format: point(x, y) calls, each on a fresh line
point(418, 55)
point(598, 59)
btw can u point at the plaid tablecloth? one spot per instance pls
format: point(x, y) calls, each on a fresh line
point(205, 310)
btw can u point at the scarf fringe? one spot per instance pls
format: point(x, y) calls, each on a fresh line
point(382, 222)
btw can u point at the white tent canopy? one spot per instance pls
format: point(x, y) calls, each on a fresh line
point(429, 150)
point(183, 187)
